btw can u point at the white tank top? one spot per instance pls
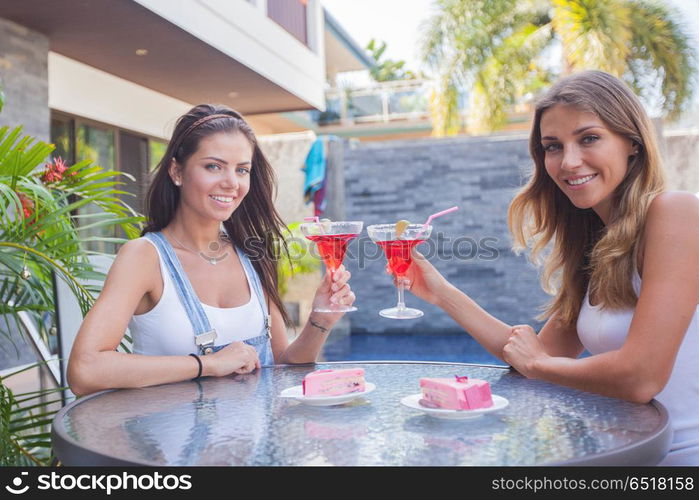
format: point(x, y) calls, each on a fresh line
point(166, 330)
point(603, 330)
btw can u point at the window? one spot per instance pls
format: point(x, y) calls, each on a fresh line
point(97, 145)
point(290, 15)
point(63, 136)
point(155, 153)
point(111, 148)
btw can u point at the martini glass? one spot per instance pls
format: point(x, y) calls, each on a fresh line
point(397, 251)
point(332, 238)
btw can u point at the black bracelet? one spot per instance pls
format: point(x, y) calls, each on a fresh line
point(200, 365)
point(321, 328)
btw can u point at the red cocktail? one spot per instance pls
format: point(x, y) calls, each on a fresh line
point(397, 247)
point(332, 238)
point(332, 248)
point(398, 255)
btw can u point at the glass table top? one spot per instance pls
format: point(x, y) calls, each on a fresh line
point(241, 420)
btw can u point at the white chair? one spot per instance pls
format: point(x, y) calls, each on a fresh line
point(69, 318)
point(39, 347)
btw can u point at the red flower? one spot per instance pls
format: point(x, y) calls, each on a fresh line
point(60, 165)
point(27, 206)
point(54, 171)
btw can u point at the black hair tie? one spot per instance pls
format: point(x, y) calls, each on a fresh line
point(200, 365)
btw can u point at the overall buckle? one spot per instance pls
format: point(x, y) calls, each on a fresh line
point(268, 326)
point(205, 341)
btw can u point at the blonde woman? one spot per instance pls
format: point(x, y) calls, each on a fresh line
point(622, 266)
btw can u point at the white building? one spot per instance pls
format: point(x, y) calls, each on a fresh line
point(106, 79)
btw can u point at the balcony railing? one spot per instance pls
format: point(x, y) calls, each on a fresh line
point(385, 102)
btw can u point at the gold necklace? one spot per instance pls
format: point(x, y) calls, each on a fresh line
point(214, 246)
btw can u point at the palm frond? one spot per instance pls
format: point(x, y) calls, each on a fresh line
point(18, 157)
point(661, 52)
point(506, 76)
point(473, 44)
point(596, 34)
point(463, 41)
point(444, 107)
point(84, 297)
point(25, 438)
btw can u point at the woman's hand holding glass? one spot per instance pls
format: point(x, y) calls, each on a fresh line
point(334, 290)
point(423, 280)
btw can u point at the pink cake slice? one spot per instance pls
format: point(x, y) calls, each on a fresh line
point(334, 382)
point(458, 393)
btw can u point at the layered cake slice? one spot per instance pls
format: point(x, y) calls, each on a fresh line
point(458, 393)
point(334, 382)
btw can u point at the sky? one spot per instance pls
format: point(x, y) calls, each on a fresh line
point(397, 22)
point(394, 21)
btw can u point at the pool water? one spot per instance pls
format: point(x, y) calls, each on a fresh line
point(407, 347)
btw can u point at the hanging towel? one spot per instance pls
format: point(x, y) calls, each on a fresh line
point(315, 170)
point(319, 200)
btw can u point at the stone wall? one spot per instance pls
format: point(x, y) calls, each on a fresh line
point(681, 161)
point(410, 180)
point(24, 79)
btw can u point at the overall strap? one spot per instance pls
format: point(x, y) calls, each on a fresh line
point(204, 334)
point(256, 285)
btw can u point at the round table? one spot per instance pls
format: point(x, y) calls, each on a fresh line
point(241, 420)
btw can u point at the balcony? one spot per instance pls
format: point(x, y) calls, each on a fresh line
point(382, 103)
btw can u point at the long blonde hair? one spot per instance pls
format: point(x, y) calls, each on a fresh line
point(583, 250)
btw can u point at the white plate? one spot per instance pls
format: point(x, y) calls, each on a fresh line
point(413, 401)
point(296, 393)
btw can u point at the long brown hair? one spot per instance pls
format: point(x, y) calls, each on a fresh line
point(585, 252)
point(255, 226)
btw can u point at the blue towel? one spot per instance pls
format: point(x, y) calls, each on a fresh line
point(315, 169)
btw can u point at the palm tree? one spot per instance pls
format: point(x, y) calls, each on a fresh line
point(502, 51)
point(387, 69)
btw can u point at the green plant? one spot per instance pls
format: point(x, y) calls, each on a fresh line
point(388, 69)
point(41, 233)
point(500, 50)
point(299, 260)
point(41, 226)
point(25, 419)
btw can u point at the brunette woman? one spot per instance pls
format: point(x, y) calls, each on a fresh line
point(198, 291)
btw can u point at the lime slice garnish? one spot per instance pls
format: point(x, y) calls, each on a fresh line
point(401, 226)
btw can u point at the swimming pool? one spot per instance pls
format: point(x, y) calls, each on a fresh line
point(459, 348)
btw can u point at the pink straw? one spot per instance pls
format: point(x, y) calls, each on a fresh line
point(434, 216)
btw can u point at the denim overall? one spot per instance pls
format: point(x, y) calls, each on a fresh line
point(204, 334)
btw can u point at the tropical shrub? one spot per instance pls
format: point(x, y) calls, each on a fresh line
point(299, 259)
point(42, 234)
